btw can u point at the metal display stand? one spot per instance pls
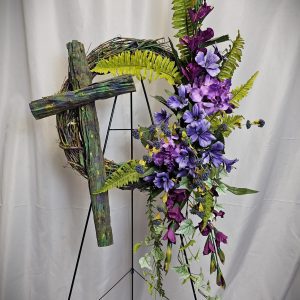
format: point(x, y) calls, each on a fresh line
point(132, 270)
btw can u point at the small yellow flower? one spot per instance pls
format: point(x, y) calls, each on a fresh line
point(155, 150)
point(157, 217)
point(201, 208)
point(184, 135)
point(142, 162)
point(164, 197)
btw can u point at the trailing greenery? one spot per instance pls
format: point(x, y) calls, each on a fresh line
point(233, 57)
point(142, 64)
point(181, 20)
point(124, 175)
point(242, 91)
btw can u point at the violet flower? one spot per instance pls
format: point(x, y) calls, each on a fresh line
point(179, 101)
point(200, 132)
point(202, 12)
point(162, 180)
point(214, 155)
point(191, 71)
point(193, 116)
point(229, 163)
point(209, 62)
point(162, 116)
point(186, 158)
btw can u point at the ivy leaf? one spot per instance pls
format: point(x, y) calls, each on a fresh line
point(239, 191)
point(189, 244)
point(159, 229)
point(182, 271)
point(157, 254)
point(145, 262)
point(136, 247)
point(186, 228)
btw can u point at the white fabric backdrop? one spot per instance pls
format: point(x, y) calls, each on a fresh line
point(43, 203)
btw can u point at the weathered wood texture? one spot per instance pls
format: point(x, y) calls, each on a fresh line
point(80, 76)
point(52, 105)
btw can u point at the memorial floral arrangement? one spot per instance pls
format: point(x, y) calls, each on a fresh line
point(185, 163)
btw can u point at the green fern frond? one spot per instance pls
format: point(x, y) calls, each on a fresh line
point(142, 64)
point(124, 175)
point(233, 57)
point(242, 91)
point(231, 122)
point(208, 204)
point(181, 20)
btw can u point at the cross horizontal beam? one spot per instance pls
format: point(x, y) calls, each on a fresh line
point(52, 105)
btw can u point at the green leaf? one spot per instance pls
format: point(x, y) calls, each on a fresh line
point(182, 271)
point(231, 121)
point(136, 247)
point(145, 262)
point(221, 189)
point(189, 244)
point(242, 91)
point(124, 175)
point(239, 191)
point(160, 99)
point(186, 228)
point(142, 64)
point(221, 255)
point(233, 57)
point(159, 229)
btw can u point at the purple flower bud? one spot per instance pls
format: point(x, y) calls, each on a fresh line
point(209, 247)
point(170, 236)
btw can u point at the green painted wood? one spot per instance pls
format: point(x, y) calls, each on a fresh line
point(80, 76)
point(55, 104)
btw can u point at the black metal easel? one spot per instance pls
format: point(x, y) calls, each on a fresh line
point(132, 269)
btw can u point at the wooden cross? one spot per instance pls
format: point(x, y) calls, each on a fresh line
point(79, 101)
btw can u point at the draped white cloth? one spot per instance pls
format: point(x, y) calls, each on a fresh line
point(43, 203)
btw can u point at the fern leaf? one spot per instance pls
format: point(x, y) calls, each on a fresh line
point(208, 204)
point(124, 175)
point(234, 56)
point(231, 122)
point(242, 91)
point(181, 20)
point(142, 64)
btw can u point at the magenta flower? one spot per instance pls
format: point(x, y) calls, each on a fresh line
point(202, 12)
point(170, 236)
point(209, 62)
point(191, 71)
point(220, 238)
point(195, 41)
point(176, 196)
point(220, 213)
point(208, 247)
point(175, 214)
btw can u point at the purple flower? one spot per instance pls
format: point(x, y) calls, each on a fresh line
point(161, 116)
point(175, 214)
point(206, 230)
point(200, 132)
point(211, 94)
point(195, 41)
point(179, 101)
point(162, 180)
point(214, 155)
point(220, 238)
point(229, 163)
point(208, 62)
point(170, 236)
point(166, 156)
point(202, 12)
point(193, 116)
point(209, 247)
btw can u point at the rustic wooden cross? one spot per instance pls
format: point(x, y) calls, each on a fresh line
point(79, 101)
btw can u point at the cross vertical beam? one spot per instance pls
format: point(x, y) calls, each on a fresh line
point(79, 77)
